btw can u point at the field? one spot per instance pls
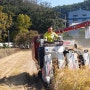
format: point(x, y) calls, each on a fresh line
point(18, 71)
point(67, 79)
point(7, 51)
point(72, 79)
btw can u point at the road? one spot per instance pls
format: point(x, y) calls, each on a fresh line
point(19, 72)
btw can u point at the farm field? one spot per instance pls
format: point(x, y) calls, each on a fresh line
point(18, 72)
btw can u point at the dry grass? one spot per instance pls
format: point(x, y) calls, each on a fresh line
point(72, 79)
point(12, 87)
point(7, 51)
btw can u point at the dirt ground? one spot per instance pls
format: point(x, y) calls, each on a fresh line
point(18, 72)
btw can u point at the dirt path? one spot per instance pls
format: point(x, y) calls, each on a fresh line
point(17, 72)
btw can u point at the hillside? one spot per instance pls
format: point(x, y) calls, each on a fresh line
point(85, 5)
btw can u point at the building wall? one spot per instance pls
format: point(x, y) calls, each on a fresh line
point(78, 16)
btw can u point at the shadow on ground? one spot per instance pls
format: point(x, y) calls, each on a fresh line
point(23, 79)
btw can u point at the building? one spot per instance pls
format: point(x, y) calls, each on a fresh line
point(78, 16)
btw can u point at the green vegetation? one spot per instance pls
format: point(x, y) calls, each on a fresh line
point(85, 5)
point(23, 40)
point(23, 23)
point(21, 16)
point(5, 23)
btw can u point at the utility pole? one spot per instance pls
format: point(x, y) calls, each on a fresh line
point(8, 38)
point(65, 21)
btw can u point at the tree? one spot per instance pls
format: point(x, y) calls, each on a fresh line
point(23, 36)
point(12, 2)
point(24, 39)
point(5, 23)
point(43, 17)
point(23, 23)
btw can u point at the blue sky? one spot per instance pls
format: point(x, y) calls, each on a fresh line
point(62, 2)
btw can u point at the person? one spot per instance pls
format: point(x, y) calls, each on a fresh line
point(50, 35)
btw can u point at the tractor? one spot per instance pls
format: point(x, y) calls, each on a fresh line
point(50, 56)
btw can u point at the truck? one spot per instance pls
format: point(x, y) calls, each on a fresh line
point(50, 56)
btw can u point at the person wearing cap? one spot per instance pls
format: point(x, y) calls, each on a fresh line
point(50, 35)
